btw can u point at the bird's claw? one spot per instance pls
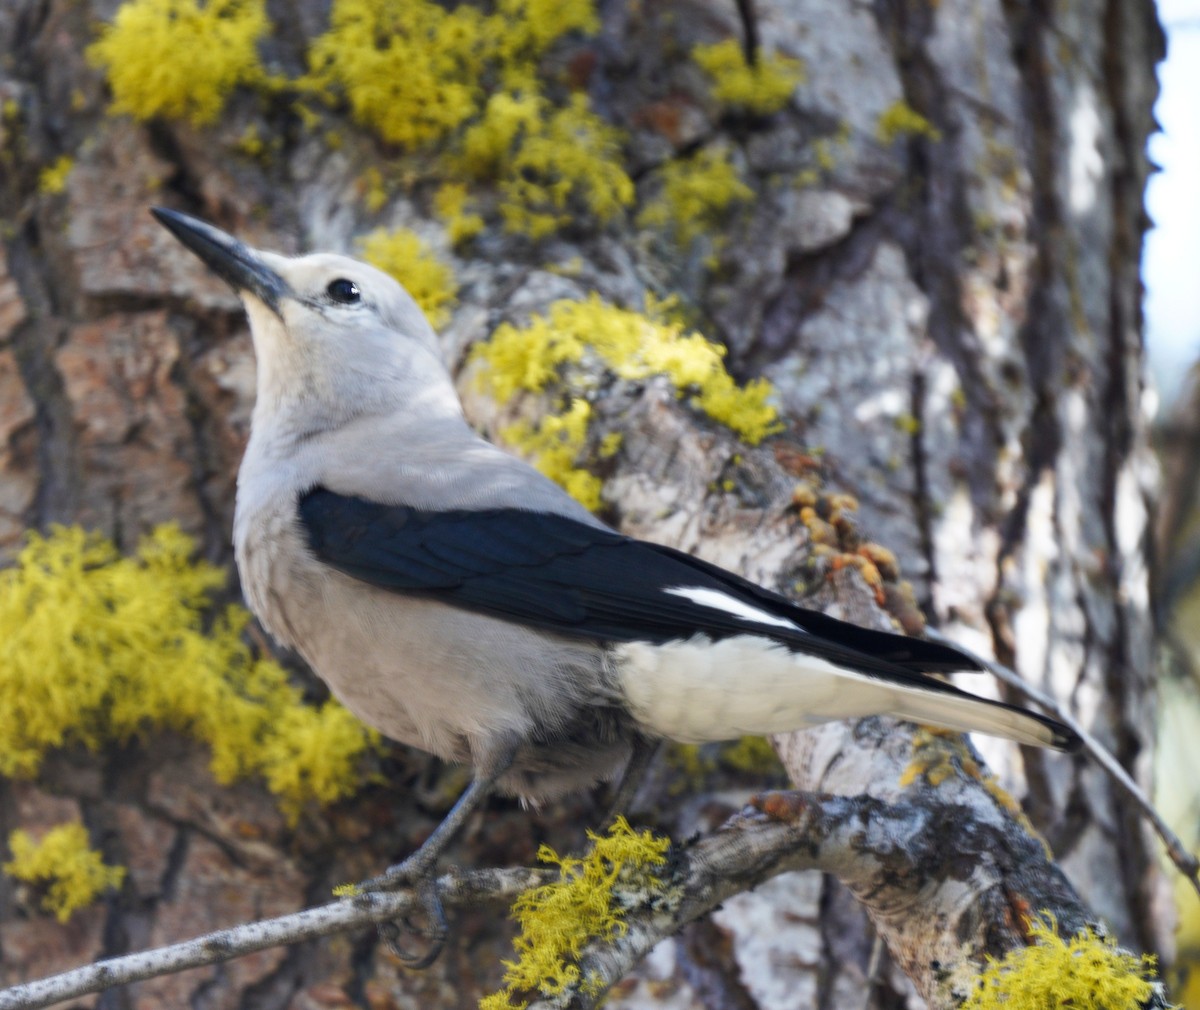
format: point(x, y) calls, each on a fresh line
point(412, 871)
point(435, 929)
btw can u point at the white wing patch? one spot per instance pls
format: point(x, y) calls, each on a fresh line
point(717, 600)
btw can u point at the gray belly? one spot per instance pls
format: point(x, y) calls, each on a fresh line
point(463, 687)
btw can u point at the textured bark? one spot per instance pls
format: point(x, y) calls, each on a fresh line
point(954, 321)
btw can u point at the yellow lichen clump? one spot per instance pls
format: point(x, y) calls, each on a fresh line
point(696, 193)
point(53, 178)
point(98, 648)
point(417, 73)
point(1087, 972)
point(413, 71)
point(451, 203)
point(762, 88)
point(549, 164)
point(402, 254)
point(65, 865)
point(633, 346)
point(408, 68)
point(901, 119)
point(180, 58)
point(555, 443)
point(588, 902)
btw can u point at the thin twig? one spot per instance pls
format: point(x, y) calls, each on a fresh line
point(1185, 861)
point(455, 888)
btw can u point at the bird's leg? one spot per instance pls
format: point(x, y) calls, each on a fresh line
point(418, 869)
point(421, 863)
point(643, 754)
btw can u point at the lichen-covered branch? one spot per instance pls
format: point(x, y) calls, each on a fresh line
point(892, 855)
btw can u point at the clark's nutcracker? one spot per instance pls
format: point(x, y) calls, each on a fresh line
point(457, 600)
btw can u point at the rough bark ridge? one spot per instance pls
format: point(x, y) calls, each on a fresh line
point(950, 312)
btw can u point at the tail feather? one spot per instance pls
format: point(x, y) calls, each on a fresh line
point(697, 691)
point(965, 713)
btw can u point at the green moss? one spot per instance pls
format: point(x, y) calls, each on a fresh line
point(1087, 972)
point(762, 88)
point(64, 864)
point(901, 120)
point(96, 648)
point(695, 197)
point(402, 254)
point(180, 58)
point(632, 345)
point(588, 902)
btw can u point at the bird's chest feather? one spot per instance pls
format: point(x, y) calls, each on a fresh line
point(416, 669)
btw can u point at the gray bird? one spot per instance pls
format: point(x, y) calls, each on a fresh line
point(457, 600)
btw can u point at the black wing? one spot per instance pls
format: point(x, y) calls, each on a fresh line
point(556, 573)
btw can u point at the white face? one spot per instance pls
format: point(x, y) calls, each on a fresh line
point(337, 298)
point(343, 339)
point(334, 338)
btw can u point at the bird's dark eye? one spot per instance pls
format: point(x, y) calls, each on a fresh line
point(344, 291)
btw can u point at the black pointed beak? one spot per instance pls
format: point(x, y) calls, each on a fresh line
point(225, 256)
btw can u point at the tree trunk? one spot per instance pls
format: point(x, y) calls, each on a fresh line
point(949, 312)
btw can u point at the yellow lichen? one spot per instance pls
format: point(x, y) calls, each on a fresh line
point(180, 58)
point(554, 444)
point(522, 30)
point(53, 178)
point(695, 764)
point(96, 648)
point(761, 88)
point(402, 254)
point(414, 71)
point(250, 143)
point(550, 165)
point(696, 194)
point(1087, 972)
point(751, 754)
point(939, 755)
point(374, 192)
point(419, 73)
point(901, 119)
point(610, 444)
point(633, 346)
point(64, 865)
point(451, 203)
point(408, 68)
point(823, 153)
point(588, 902)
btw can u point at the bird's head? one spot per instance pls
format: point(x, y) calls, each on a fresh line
point(329, 331)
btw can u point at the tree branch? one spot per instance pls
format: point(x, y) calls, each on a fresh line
point(1184, 861)
point(886, 853)
point(457, 888)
